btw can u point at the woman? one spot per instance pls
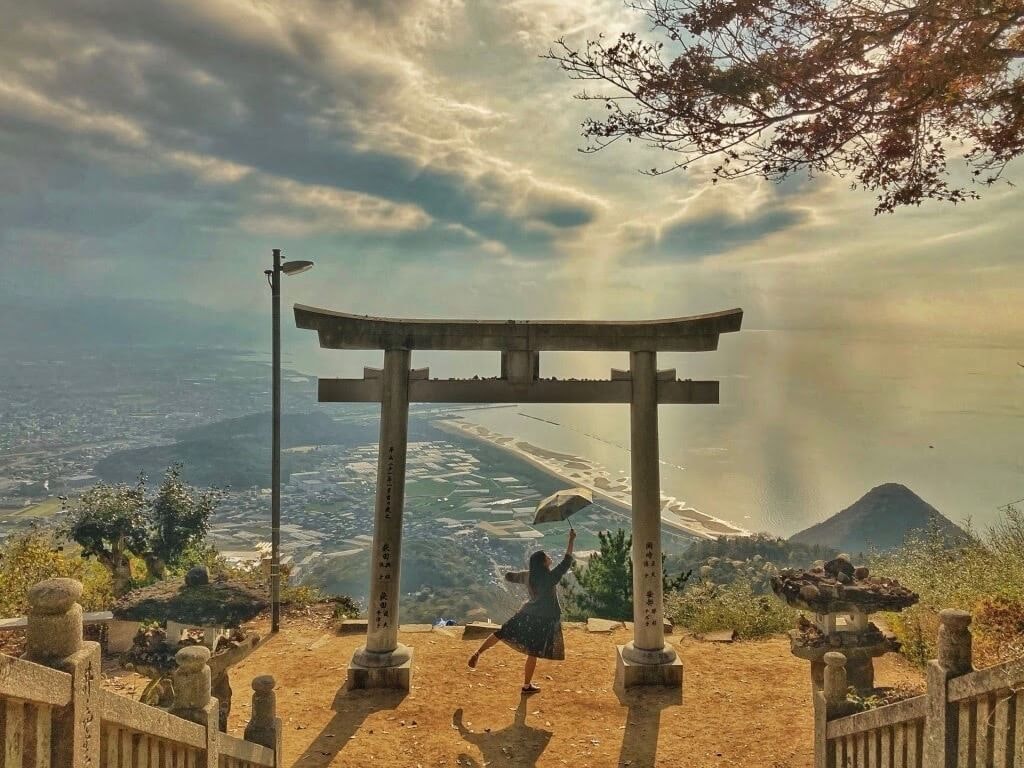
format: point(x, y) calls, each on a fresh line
point(536, 629)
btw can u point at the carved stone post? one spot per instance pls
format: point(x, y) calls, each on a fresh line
point(54, 621)
point(954, 642)
point(191, 681)
point(835, 680)
point(54, 639)
point(942, 724)
point(829, 702)
point(264, 727)
point(193, 700)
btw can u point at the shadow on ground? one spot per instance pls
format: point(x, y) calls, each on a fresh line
point(517, 745)
point(644, 706)
point(351, 708)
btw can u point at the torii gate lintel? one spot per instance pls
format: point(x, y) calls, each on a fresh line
point(423, 389)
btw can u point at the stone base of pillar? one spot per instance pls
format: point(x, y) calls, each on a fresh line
point(380, 670)
point(630, 673)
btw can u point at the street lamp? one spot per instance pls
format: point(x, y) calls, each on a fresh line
point(274, 278)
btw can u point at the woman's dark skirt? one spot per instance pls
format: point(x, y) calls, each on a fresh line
point(534, 633)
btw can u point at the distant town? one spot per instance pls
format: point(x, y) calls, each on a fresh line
point(72, 422)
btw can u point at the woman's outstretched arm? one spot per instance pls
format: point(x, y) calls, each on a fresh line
point(563, 567)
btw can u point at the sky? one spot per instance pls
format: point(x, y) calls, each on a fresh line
point(426, 157)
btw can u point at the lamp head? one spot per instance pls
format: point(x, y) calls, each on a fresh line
point(294, 267)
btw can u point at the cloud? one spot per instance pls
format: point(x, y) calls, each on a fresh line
point(420, 150)
point(237, 92)
point(715, 221)
point(283, 206)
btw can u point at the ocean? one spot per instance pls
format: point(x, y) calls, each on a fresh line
point(808, 422)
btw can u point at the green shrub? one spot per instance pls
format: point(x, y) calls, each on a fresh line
point(344, 608)
point(198, 553)
point(31, 557)
point(301, 596)
point(706, 607)
point(984, 576)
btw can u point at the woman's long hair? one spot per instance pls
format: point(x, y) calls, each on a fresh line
point(538, 570)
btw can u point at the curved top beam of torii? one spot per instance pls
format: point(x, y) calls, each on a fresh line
point(339, 330)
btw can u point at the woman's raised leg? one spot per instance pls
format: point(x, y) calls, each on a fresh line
point(490, 642)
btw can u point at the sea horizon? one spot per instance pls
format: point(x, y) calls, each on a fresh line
point(791, 443)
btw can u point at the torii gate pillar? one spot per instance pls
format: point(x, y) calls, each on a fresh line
point(648, 659)
point(384, 662)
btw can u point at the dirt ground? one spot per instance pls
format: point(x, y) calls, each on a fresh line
point(742, 704)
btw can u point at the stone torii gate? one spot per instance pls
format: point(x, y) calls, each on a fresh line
point(648, 659)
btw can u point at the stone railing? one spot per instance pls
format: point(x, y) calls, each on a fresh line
point(55, 714)
point(965, 719)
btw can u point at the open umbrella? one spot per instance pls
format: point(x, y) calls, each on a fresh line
point(559, 506)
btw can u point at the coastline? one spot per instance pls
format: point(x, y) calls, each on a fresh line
point(582, 472)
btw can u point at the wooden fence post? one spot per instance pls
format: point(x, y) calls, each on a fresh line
point(54, 639)
point(941, 724)
point(192, 699)
point(264, 726)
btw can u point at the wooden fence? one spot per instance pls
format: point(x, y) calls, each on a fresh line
point(967, 719)
point(55, 714)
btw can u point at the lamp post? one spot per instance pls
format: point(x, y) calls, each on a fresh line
point(274, 278)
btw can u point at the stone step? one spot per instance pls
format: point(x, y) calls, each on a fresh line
point(605, 626)
point(352, 627)
point(415, 628)
point(721, 636)
point(479, 629)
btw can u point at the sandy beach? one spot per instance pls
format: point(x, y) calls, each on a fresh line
point(576, 470)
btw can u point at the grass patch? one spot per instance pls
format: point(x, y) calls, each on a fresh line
point(706, 607)
point(46, 508)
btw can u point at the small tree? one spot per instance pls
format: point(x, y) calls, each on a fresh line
point(605, 583)
point(179, 521)
point(109, 522)
point(115, 522)
point(881, 91)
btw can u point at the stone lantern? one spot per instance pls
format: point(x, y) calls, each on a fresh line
point(840, 598)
